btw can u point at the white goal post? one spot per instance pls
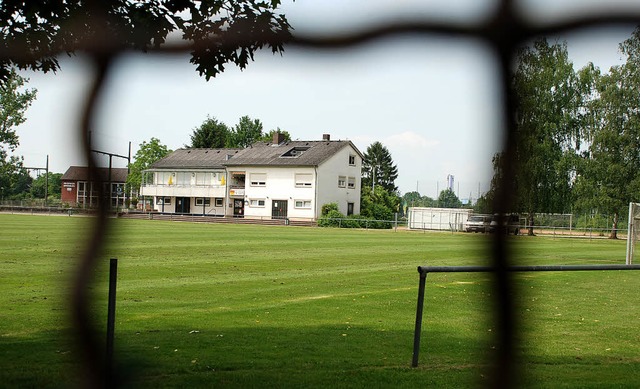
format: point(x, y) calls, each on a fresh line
point(633, 233)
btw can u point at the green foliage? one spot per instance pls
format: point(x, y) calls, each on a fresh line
point(211, 134)
point(414, 199)
point(326, 208)
point(245, 133)
point(147, 154)
point(380, 196)
point(14, 102)
point(331, 218)
point(39, 31)
point(378, 168)
point(269, 136)
point(53, 190)
point(548, 125)
point(216, 134)
point(448, 199)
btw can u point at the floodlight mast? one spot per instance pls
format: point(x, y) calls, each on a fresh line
point(111, 155)
point(46, 178)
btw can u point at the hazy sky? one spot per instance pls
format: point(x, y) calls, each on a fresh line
point(432, 102)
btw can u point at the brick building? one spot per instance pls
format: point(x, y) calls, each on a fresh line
point(77, 190)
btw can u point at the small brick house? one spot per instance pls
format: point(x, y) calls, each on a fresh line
point(77, 190)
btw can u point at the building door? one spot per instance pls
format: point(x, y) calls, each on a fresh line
point(183, 204)
point(279, 209)
point(238, 208)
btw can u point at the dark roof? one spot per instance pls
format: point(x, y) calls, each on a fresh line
point(195, 158)
point(293, 153)
point(81, 173)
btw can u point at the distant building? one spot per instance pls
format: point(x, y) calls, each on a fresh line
point(449, 219)
point(79, 191)
point(450, 181)
point(268, 180)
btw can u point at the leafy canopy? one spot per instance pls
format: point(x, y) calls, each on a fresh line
point(147, 154)
point(14, 101)
point(33, 33)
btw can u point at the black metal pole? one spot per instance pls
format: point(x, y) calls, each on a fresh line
point(419, 309)
point(111, 315)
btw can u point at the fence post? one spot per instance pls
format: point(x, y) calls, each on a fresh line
point(418, 327)
point(111, 317)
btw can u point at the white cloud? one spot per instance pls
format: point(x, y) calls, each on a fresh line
point(409, 139)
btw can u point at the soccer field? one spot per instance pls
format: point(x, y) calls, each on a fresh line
point(208, 305)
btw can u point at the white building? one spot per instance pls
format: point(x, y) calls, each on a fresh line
point(266, 180)
point(450, 219)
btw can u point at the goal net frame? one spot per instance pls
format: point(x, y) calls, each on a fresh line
point(633, 232)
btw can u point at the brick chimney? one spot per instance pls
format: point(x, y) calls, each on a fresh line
point(278, 138)
point(326, 137)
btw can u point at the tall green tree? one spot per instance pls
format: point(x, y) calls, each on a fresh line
point(147, 154)
point(35, 32)
point(378, 168)
point(548, 128)
point(212, 134)
point(448, 199)
point(609, 176)
point(245, 133)
point(15, 99)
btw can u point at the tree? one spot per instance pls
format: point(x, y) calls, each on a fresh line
point(34, 33)
point(269, 137)
point(14, 101)
point(245, 133)
point(548, 128)
point(414, 199)
point(448, 199)
point(378, 168)
point(609, 176)
point(147, 154)
point(379, 204)
point(53, 189)
point(211, 134)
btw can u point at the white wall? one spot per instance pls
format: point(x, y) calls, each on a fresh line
point(438, 218)
point(328, 173)
point(280, 185)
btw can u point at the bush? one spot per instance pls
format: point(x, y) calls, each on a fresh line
point(326, 208)
point(331, 219)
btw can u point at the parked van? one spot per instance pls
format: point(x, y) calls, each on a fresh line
point(477, 223)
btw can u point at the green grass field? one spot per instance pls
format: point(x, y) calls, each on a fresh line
point(257, 306)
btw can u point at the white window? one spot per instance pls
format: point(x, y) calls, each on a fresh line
point(256, 202)
point(219, 201)
point(199, 201)
point(304, 180)
point(203, 179)
point(352, 160)
point(165, 201)
point(351, 183)
point(342, 181)
point(306, 204)
point(183, 178)
point(258, 179)
point(165, 178)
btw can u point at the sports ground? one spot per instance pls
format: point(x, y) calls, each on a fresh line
point(220, 305)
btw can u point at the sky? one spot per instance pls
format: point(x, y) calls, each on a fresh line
point(432, 102)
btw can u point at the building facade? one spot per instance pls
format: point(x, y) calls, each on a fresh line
point(79, 191)
point(268, 180)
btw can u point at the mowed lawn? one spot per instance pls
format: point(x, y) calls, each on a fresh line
point(216, 305)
